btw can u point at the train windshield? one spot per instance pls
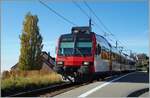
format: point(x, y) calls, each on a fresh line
point(83, 45)
point(83, 48)
point(75, 45)
point(66, 48)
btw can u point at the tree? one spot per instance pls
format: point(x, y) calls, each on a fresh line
point(142, 59)
point(31, 44)
point(142, 56)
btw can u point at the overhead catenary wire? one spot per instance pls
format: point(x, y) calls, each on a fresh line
point(86, 4)
point(105, 33)
point(72, 23)
point(100, 21)
point(55, 12)
point(82, 10)
point(86, 14)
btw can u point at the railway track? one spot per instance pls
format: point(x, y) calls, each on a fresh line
point(48, 91)
point(62, 90)
point(37, 92)
point(70, 87)
point(52, 90)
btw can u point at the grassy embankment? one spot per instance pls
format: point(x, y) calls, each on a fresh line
point(17, 81)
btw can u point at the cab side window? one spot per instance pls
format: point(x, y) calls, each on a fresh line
point(98, 49)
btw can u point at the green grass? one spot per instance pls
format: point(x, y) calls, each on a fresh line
point(28, 80)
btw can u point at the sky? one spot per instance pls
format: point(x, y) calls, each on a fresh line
point(127, 20)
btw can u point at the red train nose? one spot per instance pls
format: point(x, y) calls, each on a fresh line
point(74, 61)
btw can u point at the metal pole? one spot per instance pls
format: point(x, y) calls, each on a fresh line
point(90, 24)
point(116, 44)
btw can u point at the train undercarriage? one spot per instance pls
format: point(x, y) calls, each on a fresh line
point(82, 74)
point(75, 74)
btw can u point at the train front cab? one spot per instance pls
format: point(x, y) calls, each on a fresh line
point(75, 56)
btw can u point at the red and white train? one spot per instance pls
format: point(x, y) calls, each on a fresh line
point(84, 55)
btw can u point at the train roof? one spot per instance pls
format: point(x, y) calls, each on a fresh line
point(78, 34)
point(127, 57)
point(70, 37)
point(130, 58)
point(81, 29)
point(115, 50)
point(102, 41)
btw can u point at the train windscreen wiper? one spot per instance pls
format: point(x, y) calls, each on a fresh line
point(79, 52)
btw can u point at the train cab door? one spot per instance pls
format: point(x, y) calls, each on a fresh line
point(97, 58)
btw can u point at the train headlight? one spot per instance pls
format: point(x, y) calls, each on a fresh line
point(86, 63)
point(60, 63)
